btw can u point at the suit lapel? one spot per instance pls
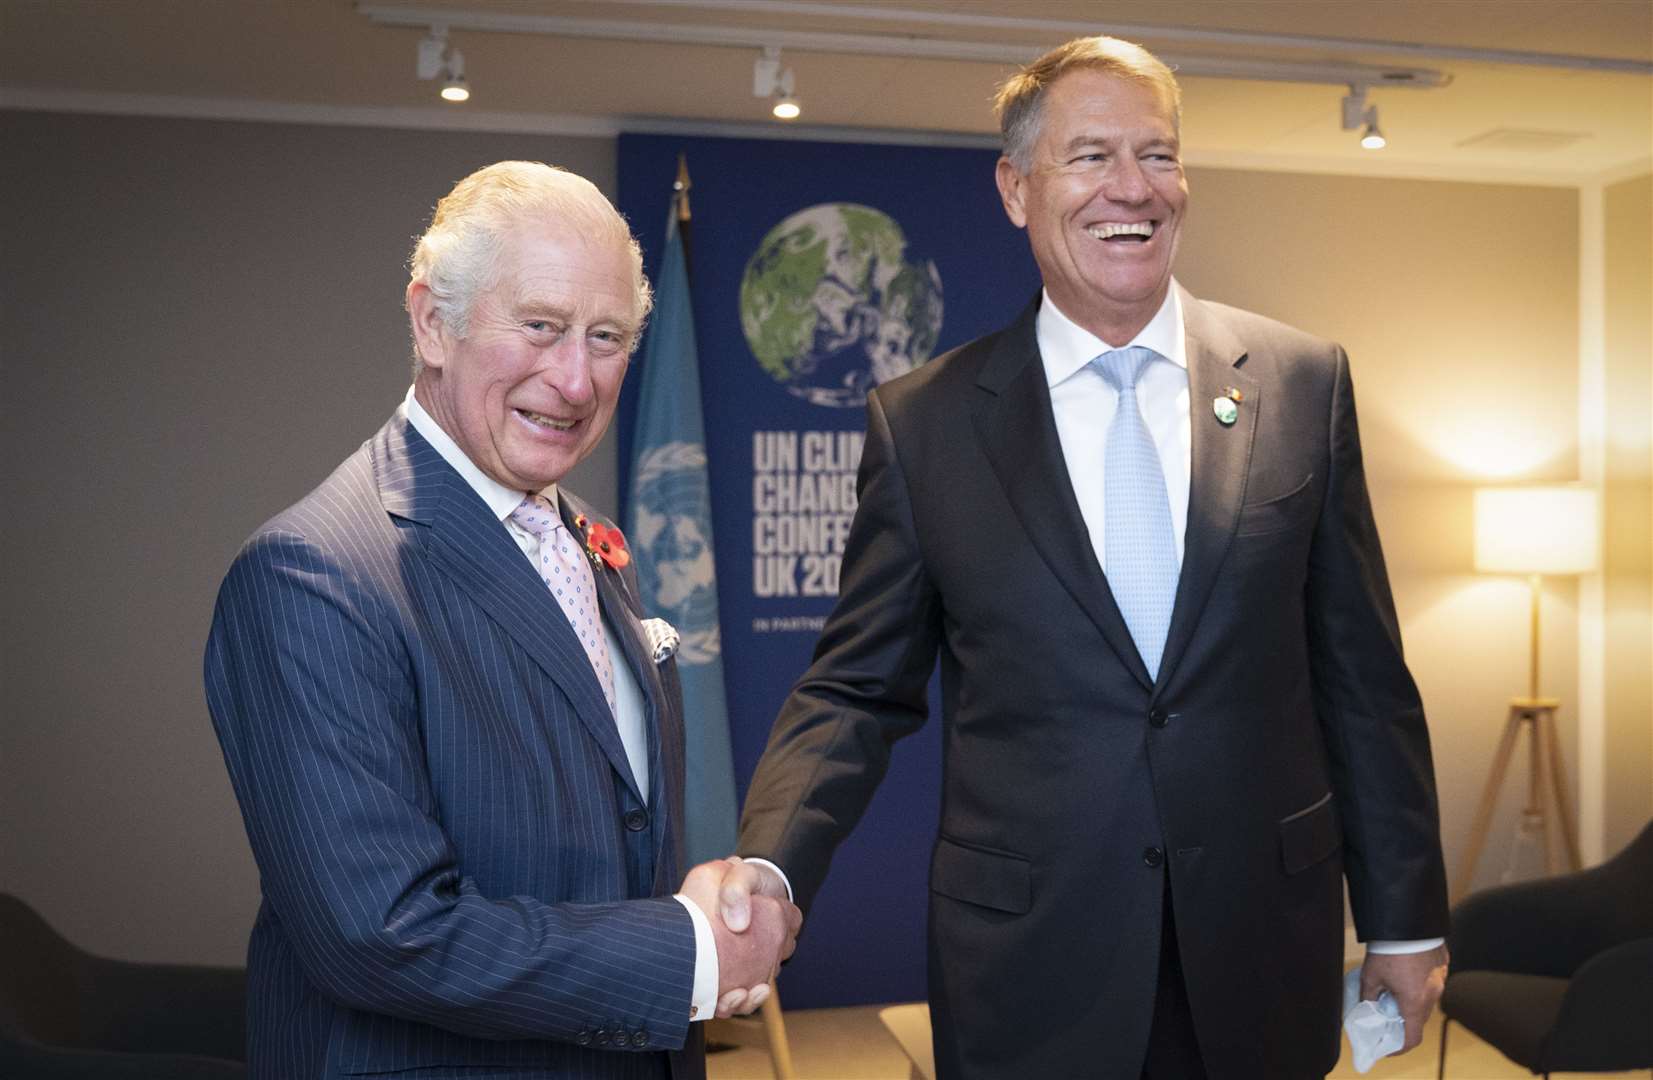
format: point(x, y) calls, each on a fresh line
point(1221, 458)
point(1017, 429)
point(464, 541)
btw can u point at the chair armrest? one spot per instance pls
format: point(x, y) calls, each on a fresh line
point(1546, 927)
point(1603, 1023)
point(164, 1008)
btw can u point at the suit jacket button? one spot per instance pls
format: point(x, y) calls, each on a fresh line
point(639, 1039)
point(1157, 718)
point(583, 1038)
point(636, 820)
point(1152, 856)
point(601, 1037)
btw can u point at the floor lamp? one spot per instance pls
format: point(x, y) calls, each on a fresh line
point(1532, 531)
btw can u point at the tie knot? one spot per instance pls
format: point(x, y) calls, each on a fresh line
point(1122, 367)
point(537, 515)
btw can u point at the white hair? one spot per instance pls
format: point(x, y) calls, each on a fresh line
point(457, 257)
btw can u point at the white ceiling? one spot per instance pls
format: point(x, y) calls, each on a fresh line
point(1579, 68)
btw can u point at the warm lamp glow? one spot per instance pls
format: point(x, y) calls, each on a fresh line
point(1536, 530)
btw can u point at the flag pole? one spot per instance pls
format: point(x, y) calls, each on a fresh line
point(680, 211)
point(681, 188)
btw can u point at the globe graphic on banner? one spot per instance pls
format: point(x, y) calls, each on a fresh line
point(831, 307)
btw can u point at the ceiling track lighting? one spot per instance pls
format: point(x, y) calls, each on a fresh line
point(1357, 113)
point(769, 80)
point(438, 59)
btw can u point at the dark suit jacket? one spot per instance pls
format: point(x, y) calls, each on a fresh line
point(457, 867)
point(1281, 749)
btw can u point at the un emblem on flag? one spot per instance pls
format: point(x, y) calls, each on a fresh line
point(673, 533)
point(831, 307)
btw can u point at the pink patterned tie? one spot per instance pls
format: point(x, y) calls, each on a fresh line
point(565, 571)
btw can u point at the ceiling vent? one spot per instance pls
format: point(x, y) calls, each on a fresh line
point(1522, 140)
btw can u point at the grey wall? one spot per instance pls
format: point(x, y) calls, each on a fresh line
point(199, 320)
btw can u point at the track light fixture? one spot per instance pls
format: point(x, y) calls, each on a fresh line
point(439, 59)
point(1357, 113)
point(770, 81)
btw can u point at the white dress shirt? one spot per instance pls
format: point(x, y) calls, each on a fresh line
point(629, 712)
point(1084, 405)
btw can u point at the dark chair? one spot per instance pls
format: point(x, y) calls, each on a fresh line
point(1558, 973)
point(66, 1014)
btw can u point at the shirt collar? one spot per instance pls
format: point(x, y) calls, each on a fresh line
point(500, 499)
point(1066, 347)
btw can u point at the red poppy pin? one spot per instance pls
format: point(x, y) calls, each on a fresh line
point(603, 544)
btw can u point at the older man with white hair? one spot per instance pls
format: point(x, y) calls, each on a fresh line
point(457, 746)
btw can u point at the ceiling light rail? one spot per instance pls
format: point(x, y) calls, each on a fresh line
point(897, 45)
point(1060, 29)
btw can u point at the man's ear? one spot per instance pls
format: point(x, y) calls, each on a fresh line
point(430, 333)
point(1010, 191)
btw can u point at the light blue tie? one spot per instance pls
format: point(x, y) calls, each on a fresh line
point(1139, 550)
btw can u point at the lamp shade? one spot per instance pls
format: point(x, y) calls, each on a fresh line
point(1536, 530)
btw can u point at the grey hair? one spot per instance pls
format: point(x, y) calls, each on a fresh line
point(458, 256)
point(1019, 103)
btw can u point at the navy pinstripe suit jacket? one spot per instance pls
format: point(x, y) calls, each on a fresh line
point(459, 874)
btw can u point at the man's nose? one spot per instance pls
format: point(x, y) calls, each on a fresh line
point(1126, 182)
point(567, 369)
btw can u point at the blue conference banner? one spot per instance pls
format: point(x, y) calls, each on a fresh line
point(818, 271)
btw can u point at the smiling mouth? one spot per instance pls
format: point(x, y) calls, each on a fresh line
point(1120, 232)
point(550, 423)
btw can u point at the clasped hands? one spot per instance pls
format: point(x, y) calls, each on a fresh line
point(754, 925)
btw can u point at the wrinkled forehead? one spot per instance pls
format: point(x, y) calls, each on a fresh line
point(578, 281)
point(1099, 93)
point(570, 253)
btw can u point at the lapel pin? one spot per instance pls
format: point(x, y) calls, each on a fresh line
point(1227, 407)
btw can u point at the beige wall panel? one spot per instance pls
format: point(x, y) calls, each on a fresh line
point(1458, 304)
point(1628, 549)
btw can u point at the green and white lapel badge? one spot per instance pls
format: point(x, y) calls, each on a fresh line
point(1227, 407)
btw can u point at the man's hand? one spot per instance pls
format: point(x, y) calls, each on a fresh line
point(755, 929)
point(741, 881)
point(1416, 980)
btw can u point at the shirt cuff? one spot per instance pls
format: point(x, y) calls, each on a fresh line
point(703, 999)
point(778, 872)
point(1399, 948)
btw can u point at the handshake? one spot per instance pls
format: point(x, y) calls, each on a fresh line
point(754, 924)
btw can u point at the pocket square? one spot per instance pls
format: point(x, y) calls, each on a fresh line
point(663, 639)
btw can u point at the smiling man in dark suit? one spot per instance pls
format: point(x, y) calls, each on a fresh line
point(457, 743)
point(1134, 527)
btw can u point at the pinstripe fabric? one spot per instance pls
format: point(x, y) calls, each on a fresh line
point(459, 874)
